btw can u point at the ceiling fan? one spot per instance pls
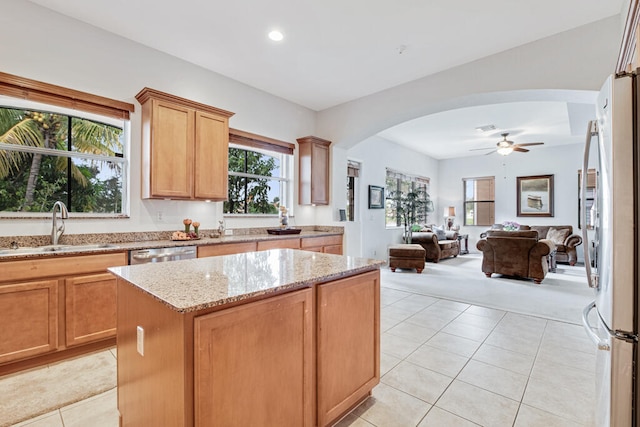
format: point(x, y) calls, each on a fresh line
point(506, 147)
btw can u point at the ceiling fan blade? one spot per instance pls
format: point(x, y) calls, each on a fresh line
point(520, 149)
point(478, 149)
point(530, 143)
point(490, 152)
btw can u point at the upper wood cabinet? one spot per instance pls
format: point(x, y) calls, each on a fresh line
point(184, 148)
point(313, 168)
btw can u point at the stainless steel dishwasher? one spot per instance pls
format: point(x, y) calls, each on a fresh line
point(144, 256)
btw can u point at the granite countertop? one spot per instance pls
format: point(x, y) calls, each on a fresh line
point(197, 284)
point(122, 242)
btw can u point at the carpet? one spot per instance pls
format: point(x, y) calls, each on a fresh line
point(561, 295)
point(28, 394)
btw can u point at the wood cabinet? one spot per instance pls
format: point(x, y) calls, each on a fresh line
point(348, 343)
point(90, 308)
point(29, 318)
point(254, 364)
point(325, 244)
point(226, 249)
point(56, 307)
point(313, 171)
point(184, 148)
point(290, 243)
point(302, 358)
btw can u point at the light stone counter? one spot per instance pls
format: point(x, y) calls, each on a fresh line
point(197, 284)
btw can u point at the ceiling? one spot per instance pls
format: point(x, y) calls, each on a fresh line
point(335, 51)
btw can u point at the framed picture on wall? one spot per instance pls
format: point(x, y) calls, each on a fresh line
point(376, 197)
point(535, 195)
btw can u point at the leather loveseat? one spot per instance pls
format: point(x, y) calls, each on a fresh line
point(515, 253)
point(437, 249)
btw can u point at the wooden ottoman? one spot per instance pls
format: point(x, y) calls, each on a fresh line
point(406, 256)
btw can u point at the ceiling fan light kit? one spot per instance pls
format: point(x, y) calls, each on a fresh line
point(505, 151)
point(506, 147)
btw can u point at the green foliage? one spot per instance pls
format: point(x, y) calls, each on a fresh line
point(411, 207)
point(248, 194)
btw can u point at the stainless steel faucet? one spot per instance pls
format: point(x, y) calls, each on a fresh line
point(56, 232)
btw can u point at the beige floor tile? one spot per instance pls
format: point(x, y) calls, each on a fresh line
point(389, 296)
point(452, 305)
point(496, 356)
point(394, 312)
point(567, 357)
point(419, 382)
point(567, 402)
point(50, 419)
point(423, 299)
point(477, 405)
point(523, 330)
point(352, 421)
point(412, 332)
point(387, 363)
point(426, 319)
point(533, 417)
point(389, 407)
point(491, 313)
point(397, 346)
point(466, 331)
point(573, 342)
point(98, 411)
point(438, 360)
point(558, 375)
point(114, 351)
point(562, 329)
point(453, 344)
point(414, 305)
point(477, 321)
point(498, 380)
point(437, 417)
point(515, 343)
point(387, 323)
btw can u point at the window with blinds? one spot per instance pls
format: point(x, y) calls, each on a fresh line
point(479, 200)
point(353, 171)
point(401, 183)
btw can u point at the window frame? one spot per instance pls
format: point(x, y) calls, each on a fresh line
point(465, 202)
point(9, 102)
point(406, 178)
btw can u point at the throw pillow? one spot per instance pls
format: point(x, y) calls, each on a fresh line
point(426, 229)
point(440, 234)
point(558, 235)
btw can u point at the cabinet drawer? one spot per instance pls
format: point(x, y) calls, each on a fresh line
point(279, 244)
point(333, 249)
point(37, 268)
point(226, 249)
point(310, 242)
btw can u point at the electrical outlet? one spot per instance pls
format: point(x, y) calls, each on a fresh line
point(160, 216)
point(140, 340)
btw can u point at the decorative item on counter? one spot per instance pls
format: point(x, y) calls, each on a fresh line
point(283, 217)
point(196, 225)
point(221, 228)
point(187, 224)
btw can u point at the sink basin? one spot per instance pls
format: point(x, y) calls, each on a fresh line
point(57, 248)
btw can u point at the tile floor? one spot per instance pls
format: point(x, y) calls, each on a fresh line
point(445, 363)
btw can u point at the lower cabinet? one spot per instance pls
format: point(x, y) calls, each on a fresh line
point(348, 343)
point(90, 308)
point(254, 364)
point(326, 244)
point(226, 249)
point(29, 313)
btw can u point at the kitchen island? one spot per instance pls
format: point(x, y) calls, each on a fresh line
point(279, 337)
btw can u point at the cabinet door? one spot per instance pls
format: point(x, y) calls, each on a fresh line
point(172, 142)
point(254, 364)
point(348, 346)
point(90, 308)
point(211, 156)
point(320, 174)
point(29, 319)
point(279, 244)
point(226, 249)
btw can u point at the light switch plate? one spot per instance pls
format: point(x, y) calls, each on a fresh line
point(140, 340)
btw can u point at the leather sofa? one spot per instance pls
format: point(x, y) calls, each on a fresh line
point(437, 249)
point(515, 253)
point(561, 235)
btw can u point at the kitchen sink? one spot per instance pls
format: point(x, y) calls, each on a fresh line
point(57, 248)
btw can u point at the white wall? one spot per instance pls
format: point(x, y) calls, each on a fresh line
point(563, 162)
point(376, 154)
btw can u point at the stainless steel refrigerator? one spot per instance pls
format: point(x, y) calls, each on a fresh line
point(611, 250)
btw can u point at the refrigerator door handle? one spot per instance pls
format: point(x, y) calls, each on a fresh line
point(591, 131)
point(602, 345)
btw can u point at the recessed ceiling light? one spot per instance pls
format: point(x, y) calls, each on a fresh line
point(276, 36)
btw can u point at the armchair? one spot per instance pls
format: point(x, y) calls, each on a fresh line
point(515, 253)
point(563, 238)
